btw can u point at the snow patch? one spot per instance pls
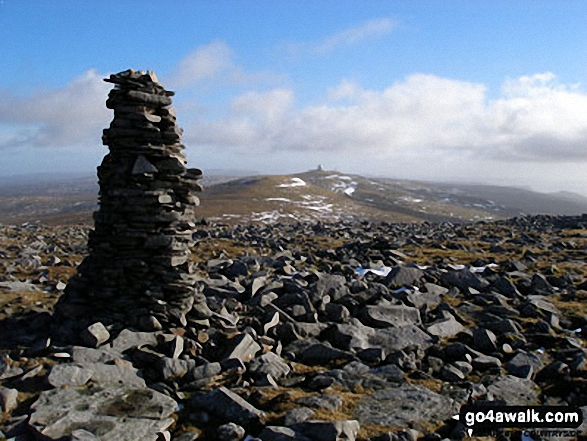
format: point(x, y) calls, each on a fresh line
point(411, 199)
point(295, 182)
point(279, 199)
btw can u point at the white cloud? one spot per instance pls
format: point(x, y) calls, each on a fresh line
point(203, 63)
point(214, 61)
point(68, 116)
point(75, 115)
point(535, 119)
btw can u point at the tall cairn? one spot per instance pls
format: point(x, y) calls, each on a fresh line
point(138, 273)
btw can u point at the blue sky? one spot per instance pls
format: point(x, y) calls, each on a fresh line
point(483, 91)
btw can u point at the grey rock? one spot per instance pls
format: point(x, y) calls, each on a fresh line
point(385, 315)
point(94, 335)
point(540, 303)
point(230, 432)
point(524, 365)
point(307, 330)
point(333, 286)
point(227, 405)
point(176, 346)
point(400, 276)
point(206, 370)
point(356, 336)
point(8, 399)
point(464, 279)
point(336, 312)
point(372, 355)
point(452, 373)
point(128, 339)
point(320, 382)
point(11, 372)
point(233, 366)
point(82, 354)
point(540, 286)
point(503, 326)
point(465, 367)
point(505, 286)
point(320, 353)
point(485, 362)
point(242, 346)
point(328, 430)
point(446, 327)
point(403, 406)
point(327, 402)
point(149, 99)
point(84, 435)
point(164, 436)
point(350, 380)
point(32, 373)
point(69, 374)
point(150, 323)
point(119, 374)
point(432, 288)
point(297, 415)
point(121, 413)
point(173, 368)
point(484, 340)
point(555, 369)
point(390, 372)
point(514, 391)
point(430, 296)
point(460, 351)
point(396, 339)
point(269, 363)
point(349, 336)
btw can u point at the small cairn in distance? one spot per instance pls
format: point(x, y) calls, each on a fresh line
point(138, 273)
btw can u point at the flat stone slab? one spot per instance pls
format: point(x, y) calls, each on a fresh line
point(128, 339)
point(514, 391)
point(396, 339)
point(81, 354)
point(404, 405)
point(356, 336)
point(104, 375)
point(116, 414)
point(386, 315)
point(69, 374)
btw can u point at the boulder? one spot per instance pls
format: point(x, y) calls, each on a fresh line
point(120, 413)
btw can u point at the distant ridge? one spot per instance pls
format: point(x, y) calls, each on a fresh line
point(318, 195)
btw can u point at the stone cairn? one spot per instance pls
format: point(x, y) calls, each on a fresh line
point(138, 272)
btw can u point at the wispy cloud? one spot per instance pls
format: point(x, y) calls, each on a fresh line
point(203, 63)
point(371, 28)
point(346, 37)
point(214, 61)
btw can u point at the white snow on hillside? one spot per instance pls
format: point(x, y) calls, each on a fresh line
point(344, 185)
point(295, 182)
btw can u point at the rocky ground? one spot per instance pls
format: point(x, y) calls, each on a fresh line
point(316, 332)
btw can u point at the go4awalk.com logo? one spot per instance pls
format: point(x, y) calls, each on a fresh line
point(484, 418)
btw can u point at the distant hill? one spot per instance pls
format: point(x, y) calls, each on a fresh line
point(309, 196)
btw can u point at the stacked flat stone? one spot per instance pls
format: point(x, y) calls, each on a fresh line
point(138, 272)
